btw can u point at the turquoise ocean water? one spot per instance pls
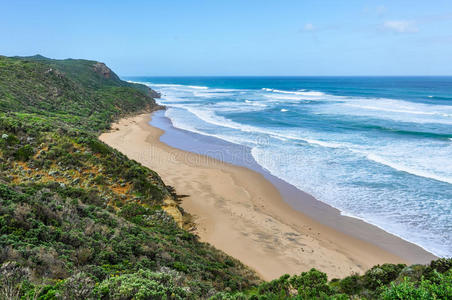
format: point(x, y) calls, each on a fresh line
point(377, 148)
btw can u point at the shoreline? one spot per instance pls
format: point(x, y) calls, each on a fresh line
point(258, 220)
point(298, 199)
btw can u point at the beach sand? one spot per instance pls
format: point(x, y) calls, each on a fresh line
point(243, 214)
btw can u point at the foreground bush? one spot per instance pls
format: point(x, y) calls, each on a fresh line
point(388, 281)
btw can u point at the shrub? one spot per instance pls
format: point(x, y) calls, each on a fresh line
point(140, 285)
point(98, 147)
point(423, 291)
point(11, 139)
point(311, 284)
point(12, 277)
point(180, 266)
point(350, 285)
point(278, 286)
point(440, 265)
point(381, 275)
point(78, 286)
point(131, 210)
point(24, 153)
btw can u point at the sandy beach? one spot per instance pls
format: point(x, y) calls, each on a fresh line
point(240, 212)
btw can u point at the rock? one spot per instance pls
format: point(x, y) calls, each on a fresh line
point(103, 70)
point(171, 208)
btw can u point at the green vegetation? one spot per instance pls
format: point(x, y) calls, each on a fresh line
point(79, 220)
point(74, 211)
point(387, 281)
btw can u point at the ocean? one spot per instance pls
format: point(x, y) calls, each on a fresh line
point(376, 148)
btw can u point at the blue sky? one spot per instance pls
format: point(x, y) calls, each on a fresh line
point(216, 37)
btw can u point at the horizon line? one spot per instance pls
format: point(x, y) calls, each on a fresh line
point(123, 76)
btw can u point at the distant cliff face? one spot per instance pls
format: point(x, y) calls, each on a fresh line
point(103, 70)
point(107, 73)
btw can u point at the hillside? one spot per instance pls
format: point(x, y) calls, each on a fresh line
point(79, 220)
point(72, 207)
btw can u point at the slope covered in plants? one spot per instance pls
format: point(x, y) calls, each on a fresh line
point(72, 209)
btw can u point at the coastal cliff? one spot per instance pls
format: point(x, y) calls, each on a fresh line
point(80, 220)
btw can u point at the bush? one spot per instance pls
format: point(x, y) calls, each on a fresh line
point(140, 285)
point(12, 277)
point(24, 153)
point(180, 266)
point(423, 291)
point(381, 275)
point(278, 286)
point(311, 284)
point(440, 265)
point(98, 147)
point(350, 285)
point(131, 210)
point(11, 139)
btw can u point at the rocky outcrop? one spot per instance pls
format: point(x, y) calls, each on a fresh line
point(151, 93)
point(103, 70)
point(171, 208)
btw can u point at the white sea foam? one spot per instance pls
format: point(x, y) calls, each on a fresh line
point(334, 168)
point(179, 123)
point(407, 110)
point(403, 168)
point(255, 103)
point(284, 110)
point(393, 109)
point(197, 87)
point(324, 144)
point(211, 118)
point(298, 92)
point(178, 86)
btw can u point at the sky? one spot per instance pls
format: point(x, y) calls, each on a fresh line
point(243, 37)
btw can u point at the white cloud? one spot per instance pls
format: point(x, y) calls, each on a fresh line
point(400, 26)
point(308, 27)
